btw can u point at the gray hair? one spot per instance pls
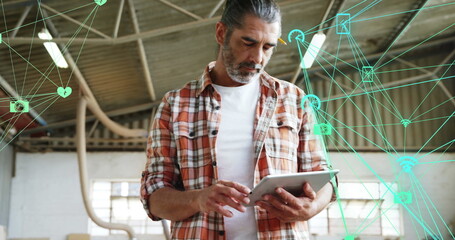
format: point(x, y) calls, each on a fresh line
point(235, 11)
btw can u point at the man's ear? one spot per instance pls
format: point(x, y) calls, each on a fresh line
point(220, 33)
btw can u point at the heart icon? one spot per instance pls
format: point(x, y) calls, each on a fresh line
point(100, 2)
point(64, 92)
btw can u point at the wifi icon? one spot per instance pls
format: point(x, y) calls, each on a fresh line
point(405, 122)
point(407, 163)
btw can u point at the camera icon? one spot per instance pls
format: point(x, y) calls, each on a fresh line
point(20, 106)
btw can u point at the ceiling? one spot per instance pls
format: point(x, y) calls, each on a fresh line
point(137, 50)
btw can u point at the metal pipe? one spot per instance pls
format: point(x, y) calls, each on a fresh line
point(91, 29)
point(218, 5)
point(119, 17)
point(180, 9)
point(83, 175)
point(21, 20)
point(142, 55)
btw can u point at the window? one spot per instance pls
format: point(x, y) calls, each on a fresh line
point(118, 202)
point(363, 209)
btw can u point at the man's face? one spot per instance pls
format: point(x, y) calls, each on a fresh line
point(248, 50)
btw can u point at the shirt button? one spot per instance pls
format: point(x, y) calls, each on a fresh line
point(280, 123)
point(214, 163)
point(214, 132)
point(217, 108)
point(143, 174)
point(221, 233)
point(192, 134)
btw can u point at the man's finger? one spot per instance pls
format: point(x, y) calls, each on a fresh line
point(309, 192)
point(225, 200)
point(219, 209)
point(276, 202)
point(287, 197)
point(241, 188)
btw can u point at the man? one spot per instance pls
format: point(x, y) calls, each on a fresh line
point(215, 138)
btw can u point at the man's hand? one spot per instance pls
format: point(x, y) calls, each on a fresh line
point(288, 208)
point(223, 193)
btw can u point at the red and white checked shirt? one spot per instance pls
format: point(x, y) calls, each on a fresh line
point(181, 150)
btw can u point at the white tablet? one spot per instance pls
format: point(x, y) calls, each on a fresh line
point(292, 183)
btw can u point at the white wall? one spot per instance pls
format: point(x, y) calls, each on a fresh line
point(6, 171)
point(46, 201)
point(437, 179)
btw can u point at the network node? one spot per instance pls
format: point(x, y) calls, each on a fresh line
point(100, 2)
point(403, 198)
point(349, 237)
point(405, 122)
point(313, 101)
point(343, 21)
point(407, 163)
point(297, 35)
point(323, 129)
point(367, 74)
point(19, 106)
point(64, 92)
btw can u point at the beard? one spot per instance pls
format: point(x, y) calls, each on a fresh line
point(234, 71)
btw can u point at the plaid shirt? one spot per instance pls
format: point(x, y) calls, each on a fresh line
point(181, 150)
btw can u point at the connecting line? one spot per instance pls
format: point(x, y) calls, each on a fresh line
point(450, 142)
point(443, 161)
point(64, 49)
point(30, 51)
point(415, 68)
point(74, 9)
point(431, 90)
point(423, 196)
point(409, 11)
point(370, 141)
point(453, 113)
point(433, 108)
point(26, 126)
point(388, 187)
point(397, 37)
point(17, 116)
point(390, 88)
point(432, 204)
point(83, 43)
point(427, 39)
point(29, 63)
point(374, 3)
point(358, 231)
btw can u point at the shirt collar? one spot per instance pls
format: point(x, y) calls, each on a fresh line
point(205, 80)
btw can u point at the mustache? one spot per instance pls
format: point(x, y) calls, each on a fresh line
point(251, 65)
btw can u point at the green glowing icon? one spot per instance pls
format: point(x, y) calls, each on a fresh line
point(343, 23)
point(19, 106)
point(323, 129)
point(403, 198)
point(314, 101)
point(64, 92)
point(405, 122)
point(1, 38)
point(407, 163)
point(100, 2)
point(349, 237)
point(367, 74)
point(297, 35)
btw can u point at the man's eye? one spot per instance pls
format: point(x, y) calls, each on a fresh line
point(249, 44)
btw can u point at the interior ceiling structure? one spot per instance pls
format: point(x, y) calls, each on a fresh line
point(137, 50)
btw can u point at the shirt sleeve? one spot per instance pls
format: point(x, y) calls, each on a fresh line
point(311, 152)
point(161, 169)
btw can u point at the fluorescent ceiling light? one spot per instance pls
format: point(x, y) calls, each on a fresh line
point(53, 49)
point(313, 50)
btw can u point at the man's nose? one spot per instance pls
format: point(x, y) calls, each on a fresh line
point(256, 55)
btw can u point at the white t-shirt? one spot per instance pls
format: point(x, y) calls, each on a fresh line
point(234, 151)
